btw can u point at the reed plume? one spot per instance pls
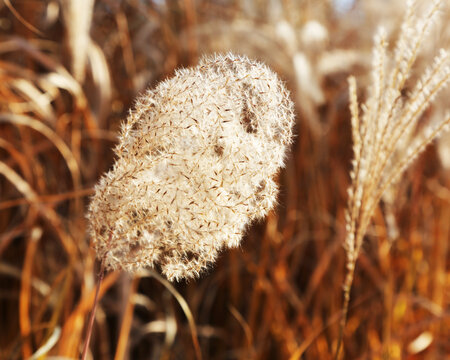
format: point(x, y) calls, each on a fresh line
point(195, 165)
point(386, 137)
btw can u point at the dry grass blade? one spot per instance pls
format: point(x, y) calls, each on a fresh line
point(78, 17)
point(53, 137)
point(18, 182)
point(48, 345)
point(184, 305)
point(62, 79)
point(71, 335)
point(18, 157)
point(40, 102)
point(126, 322)
point(125, 42)
point(102, 79)
point(25, 292)
point(48, 198)
point(21, 19)
point(40, 286)
point(58, 74)
point(245, 327)
point(47, 213)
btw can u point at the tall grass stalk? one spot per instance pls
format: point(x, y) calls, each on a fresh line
point(386, 137)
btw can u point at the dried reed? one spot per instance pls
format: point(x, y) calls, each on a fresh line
point(195, 164)
point(387, 121)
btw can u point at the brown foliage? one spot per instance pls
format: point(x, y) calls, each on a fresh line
point(280, 295)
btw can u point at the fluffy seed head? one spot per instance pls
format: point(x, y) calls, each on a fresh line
point(195, 164)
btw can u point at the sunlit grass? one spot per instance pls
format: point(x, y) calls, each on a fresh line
point(279, 296)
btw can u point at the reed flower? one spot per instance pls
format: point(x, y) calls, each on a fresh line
point(386, 134)
point(195, 165)
point(386, 137)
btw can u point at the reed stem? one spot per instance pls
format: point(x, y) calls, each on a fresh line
point(101, 275)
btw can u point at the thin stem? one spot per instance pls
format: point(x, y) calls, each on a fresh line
point(101, 275)
point(346, 291)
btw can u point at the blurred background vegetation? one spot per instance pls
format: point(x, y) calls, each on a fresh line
point(69, 71)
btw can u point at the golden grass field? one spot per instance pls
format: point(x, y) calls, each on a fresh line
point(69, 73)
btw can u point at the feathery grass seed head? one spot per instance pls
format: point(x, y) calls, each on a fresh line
point(195, 164)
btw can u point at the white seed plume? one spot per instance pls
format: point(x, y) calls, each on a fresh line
point(195, 165)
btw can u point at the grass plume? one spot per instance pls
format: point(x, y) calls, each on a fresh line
point(195, 164)
point(387, 121)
